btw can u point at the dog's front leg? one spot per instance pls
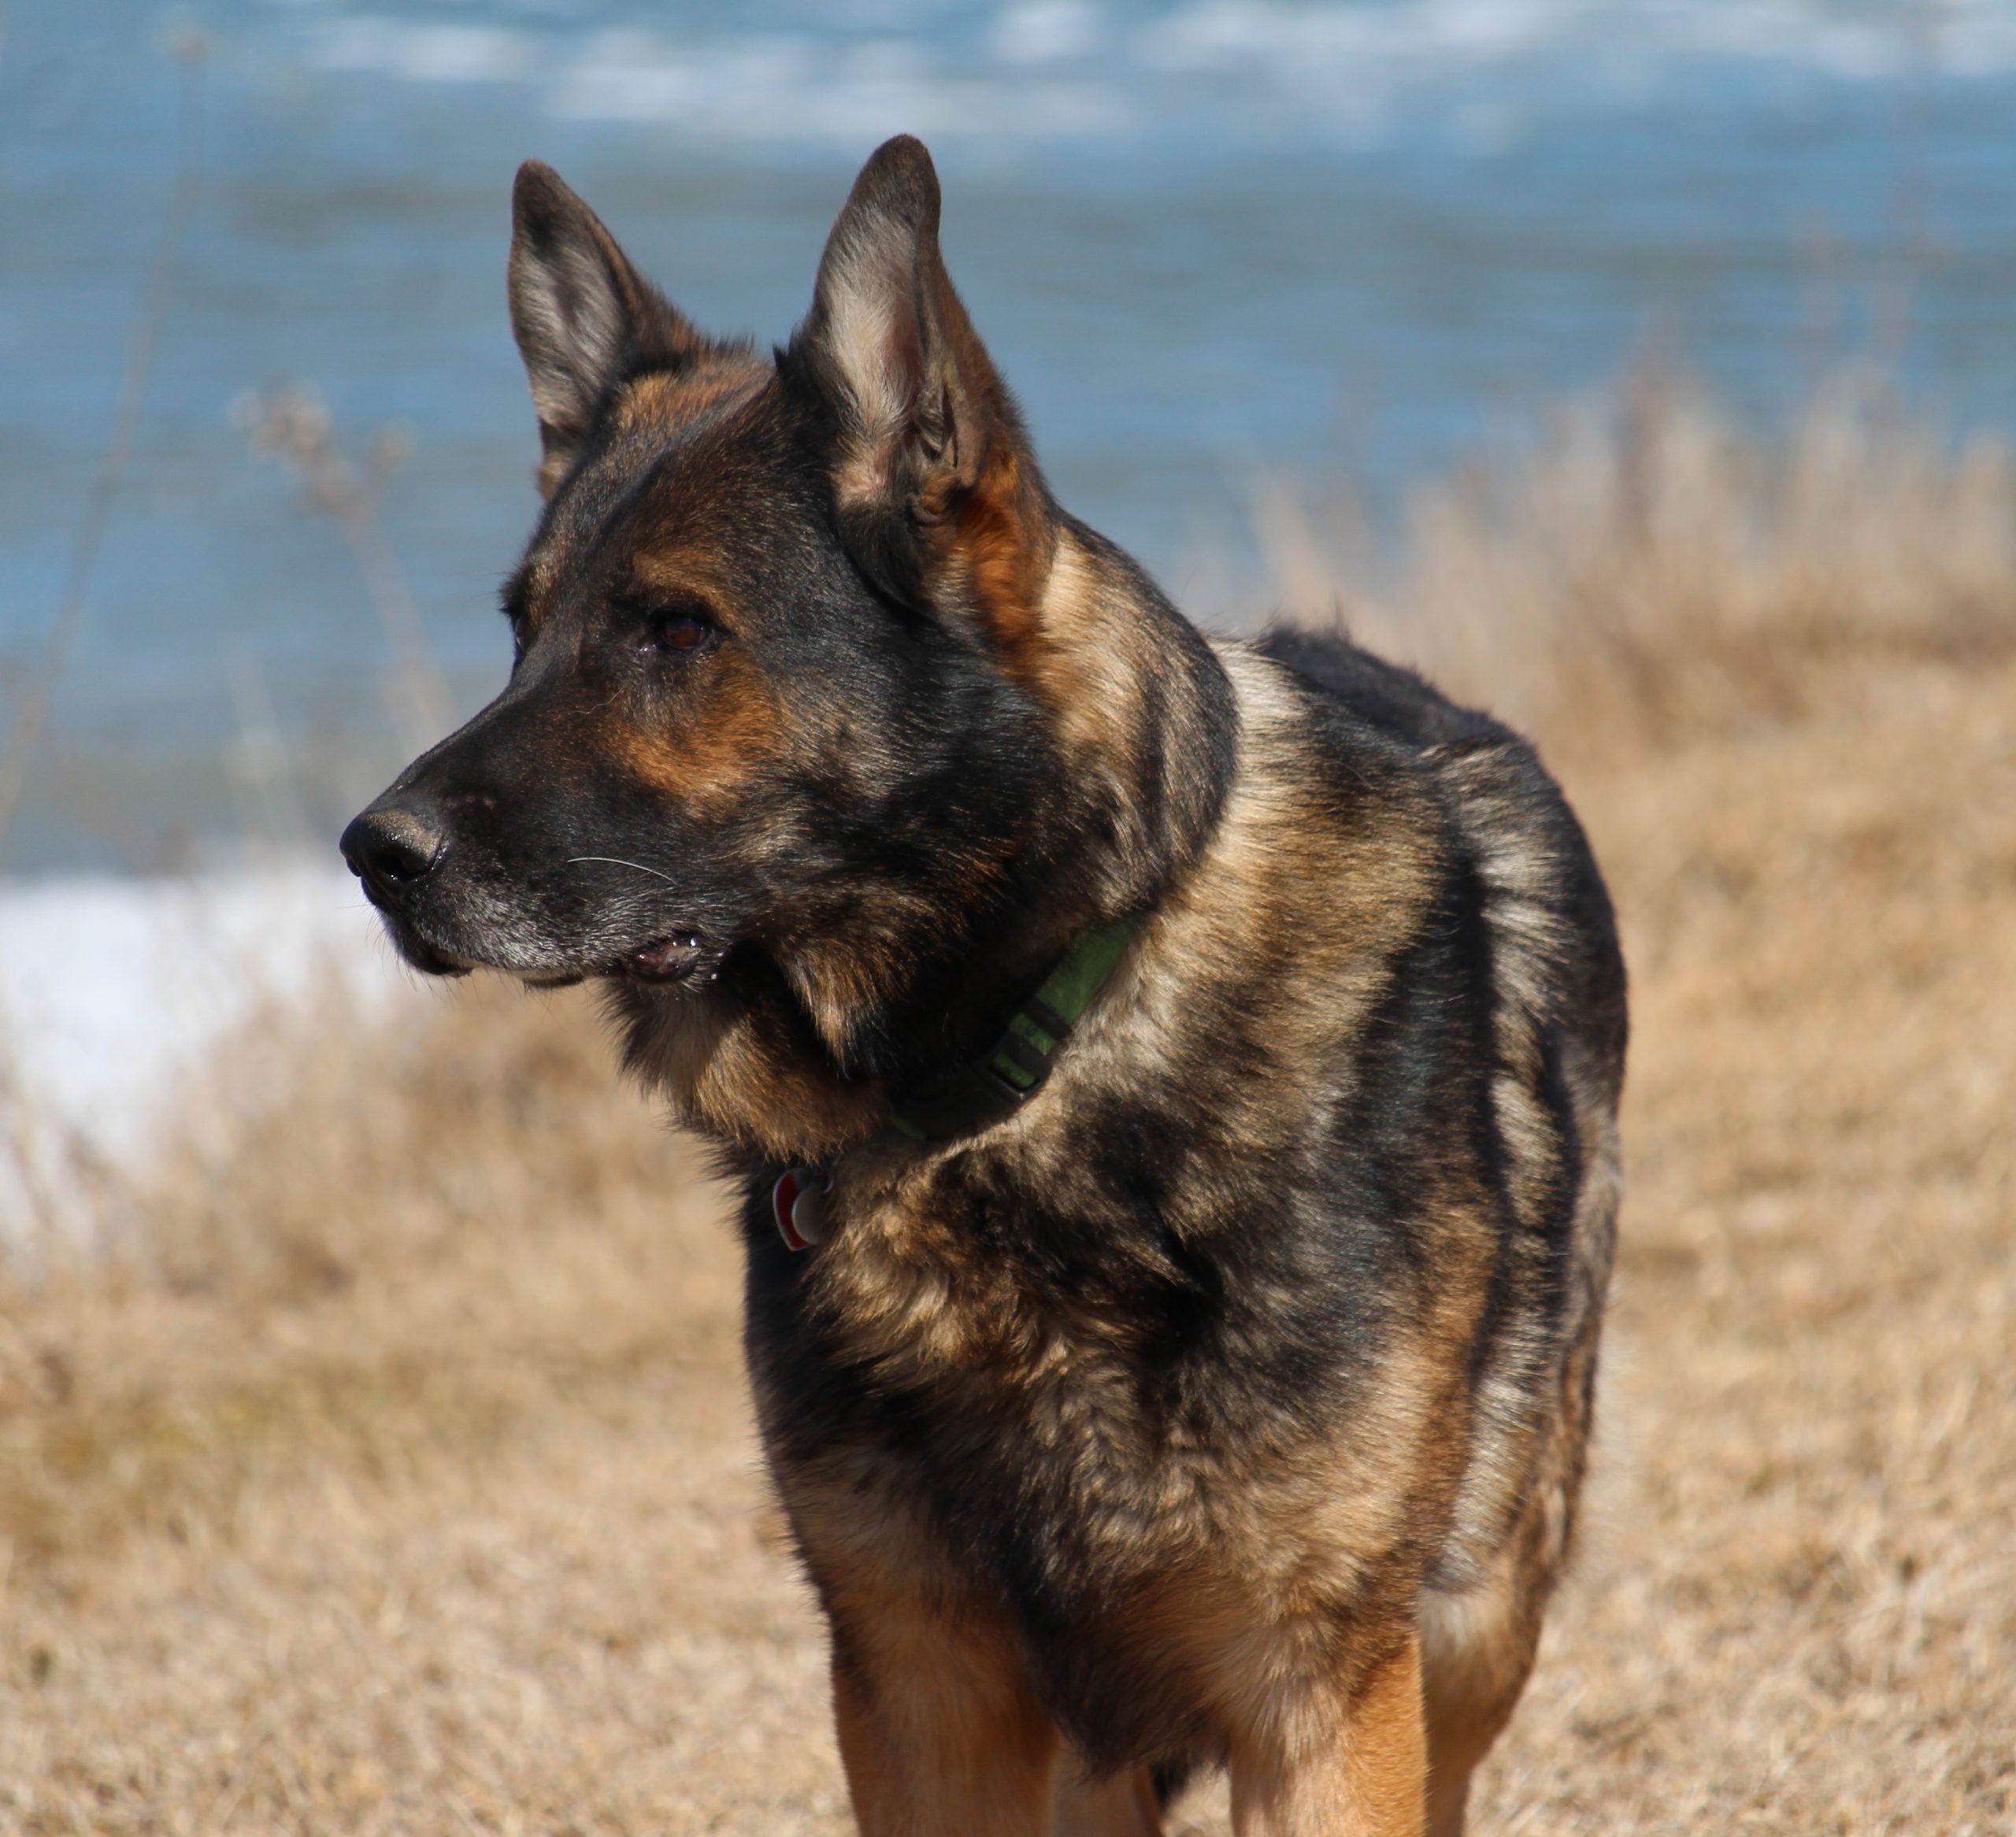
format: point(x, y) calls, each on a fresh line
point(1326, 1762)
point(939, 1730)
point(1119, 1804)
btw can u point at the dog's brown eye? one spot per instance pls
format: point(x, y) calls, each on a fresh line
point(682, 630)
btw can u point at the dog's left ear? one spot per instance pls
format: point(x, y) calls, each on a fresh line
point(938, 494)
point(582, 315)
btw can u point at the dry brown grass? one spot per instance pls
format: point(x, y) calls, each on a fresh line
point(1641, 570)
point(400, 1479)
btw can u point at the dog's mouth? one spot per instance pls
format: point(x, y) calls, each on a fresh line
point(678, 958)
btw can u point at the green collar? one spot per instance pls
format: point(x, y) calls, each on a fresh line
point(982, 1093)
point(998, 1083)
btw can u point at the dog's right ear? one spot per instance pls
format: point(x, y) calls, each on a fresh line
point(938, 493)
point(585, 318)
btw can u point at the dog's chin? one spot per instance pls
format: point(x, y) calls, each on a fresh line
point(425, 958)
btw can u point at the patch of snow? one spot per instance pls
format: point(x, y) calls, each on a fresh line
point(110, 989)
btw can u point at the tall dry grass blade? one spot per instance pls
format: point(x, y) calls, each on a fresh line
point(293, 426)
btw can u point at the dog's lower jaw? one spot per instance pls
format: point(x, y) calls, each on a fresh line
point(425, 958)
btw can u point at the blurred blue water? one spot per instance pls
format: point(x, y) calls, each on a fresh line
point(1202, 237)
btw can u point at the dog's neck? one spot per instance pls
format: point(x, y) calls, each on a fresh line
point(795, 1057)
point(1144, 728)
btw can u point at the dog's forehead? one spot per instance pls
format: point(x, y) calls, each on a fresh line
point(666, 405)
point(654, 423)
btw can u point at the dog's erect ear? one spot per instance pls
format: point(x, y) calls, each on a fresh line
point(933, 476)
point(582, 314)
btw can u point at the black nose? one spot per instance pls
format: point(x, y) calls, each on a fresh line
point(390, 850)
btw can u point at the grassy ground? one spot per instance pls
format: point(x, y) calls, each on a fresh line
point(398, 1478)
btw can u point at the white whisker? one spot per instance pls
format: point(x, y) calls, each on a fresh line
point(614, 862)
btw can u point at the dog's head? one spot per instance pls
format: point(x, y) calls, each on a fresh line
point(809, 673)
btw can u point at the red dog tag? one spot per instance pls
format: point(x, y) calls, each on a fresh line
point(798, 1202)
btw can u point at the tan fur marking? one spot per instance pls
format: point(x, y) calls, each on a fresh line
point(711, 1061)
point(1327, 1767)
point(1088, 668)
point(551, 469)
point(939, 1730)
point(720, 750)
point(667, 404)
point(939, 1727)
point(750, 1091)
point(542, 579)
point(1003, 548)
point(1477, 1649)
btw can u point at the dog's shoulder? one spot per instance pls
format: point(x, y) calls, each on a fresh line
point(1506, 825)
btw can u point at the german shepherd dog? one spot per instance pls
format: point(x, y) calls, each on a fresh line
point(1172, 1082)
